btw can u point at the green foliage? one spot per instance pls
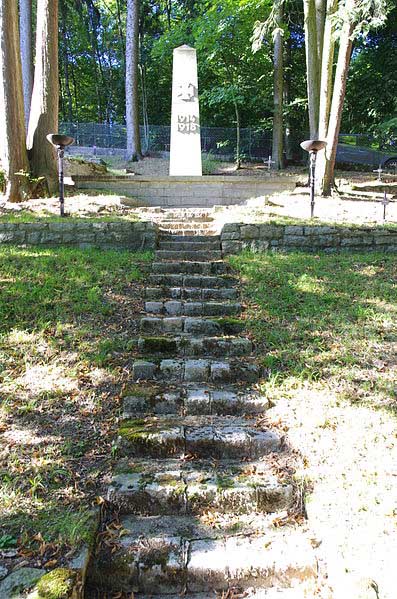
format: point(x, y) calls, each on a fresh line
point(2, 181)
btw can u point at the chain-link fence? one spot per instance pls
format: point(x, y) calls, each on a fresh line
point(255, 143)
point(220, 141)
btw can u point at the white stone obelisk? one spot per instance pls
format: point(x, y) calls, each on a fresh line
point(185, 151)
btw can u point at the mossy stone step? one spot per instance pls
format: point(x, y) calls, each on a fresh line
point(196, 346)
point(180, 554)
point(190, 293)
point(189, 255)
point(196, 370)
point(226, 437)
point(191, 400)
point(191, 267)
point(163, 325)
point(192, 280)
point(151, 487)
point(177, 308)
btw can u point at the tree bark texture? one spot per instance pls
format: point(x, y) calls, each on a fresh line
point(13, 136)
point(278, 84)
point(44, 109)
point(134, 151)
point(25, 29)
point(312, 44)
point(338, 97)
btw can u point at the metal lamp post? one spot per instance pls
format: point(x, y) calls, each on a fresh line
point(313, 146)
point(60, 142)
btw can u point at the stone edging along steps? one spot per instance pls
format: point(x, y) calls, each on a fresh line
point(195, 486)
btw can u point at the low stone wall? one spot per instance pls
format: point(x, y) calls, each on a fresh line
point(82, 234)
point(310, 238)
point(187, 192)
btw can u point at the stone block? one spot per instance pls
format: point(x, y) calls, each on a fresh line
point(33, 238)
point(172, 325)
point(63, 227)
point(295, 230)
point(220, 372)
point(231, 227)
point(271, 231)
point(196, 371)
point(231, 247)
point(232, 236)
point(173, 308)
point(172, 368)
point(144, 370)
point(249, 232)
point(297, 240)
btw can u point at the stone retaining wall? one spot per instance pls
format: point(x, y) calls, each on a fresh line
point(311, 238)
point(186, 192)
point(82, 234)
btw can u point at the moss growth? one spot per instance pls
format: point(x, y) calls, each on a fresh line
point(146, 392)
point(229, 325)
point(57, 584)
point(159, 345)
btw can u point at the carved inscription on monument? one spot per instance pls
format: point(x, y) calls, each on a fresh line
point(188, 123)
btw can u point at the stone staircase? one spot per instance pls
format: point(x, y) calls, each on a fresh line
point(197, 486)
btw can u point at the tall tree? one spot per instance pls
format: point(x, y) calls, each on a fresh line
point(25, 28)
point(44, 109)
point(326, 20)
point(12, 145)
point(272, 27)
point(134, 151)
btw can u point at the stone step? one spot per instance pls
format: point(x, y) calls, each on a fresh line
point(190, 280)
point(163, 325)
point(294, 592)
point(151, 487)
point(190, 238)
point(178, 308)
point(188, 231)
point(183, 225)
point(179, 554)
point(191, 400)
point(219, 437)
point(186, 370)
point(190, 255)
point(186, 267)
point(190, 293)
point(191, 246)
point(196, 346)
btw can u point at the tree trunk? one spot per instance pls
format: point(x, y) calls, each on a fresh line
point(134, 151)
point(12, 145)
point(65, 57)
point(44, 109)
point(286, 98)
point(327, 70)
point(238, 136)
point(312, 44)
point(338, 97)
point(25, 28)
point(278, 82)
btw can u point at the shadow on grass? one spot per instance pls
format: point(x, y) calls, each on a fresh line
point(66, 320)
point(325, 318)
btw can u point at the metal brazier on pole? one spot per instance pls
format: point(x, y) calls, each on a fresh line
point(313, 146)
point(60, 142)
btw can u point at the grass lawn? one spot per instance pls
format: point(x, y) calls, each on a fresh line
point(326, 334)
point(66, 325)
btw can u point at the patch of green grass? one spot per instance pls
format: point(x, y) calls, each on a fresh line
point(319, 318)
point(43, 287)
point(25, 216)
